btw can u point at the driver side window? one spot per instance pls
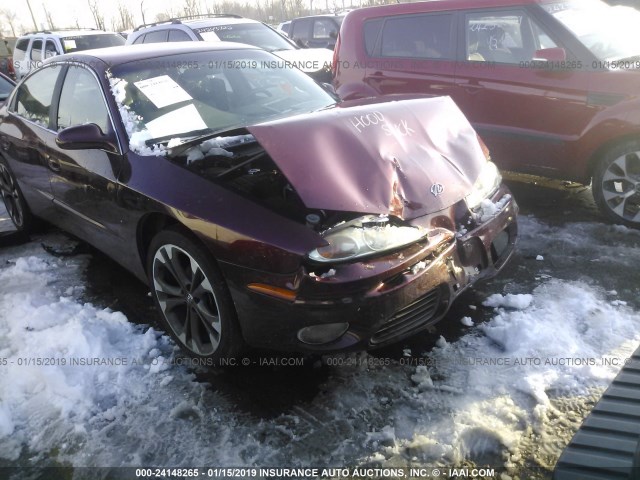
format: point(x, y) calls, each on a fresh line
point(508, 37)
point(81, 101)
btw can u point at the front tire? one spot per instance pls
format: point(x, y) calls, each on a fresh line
point(193, 299)
point(616, 184)
point(14, 201)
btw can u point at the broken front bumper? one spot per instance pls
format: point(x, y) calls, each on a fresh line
point(381, 300)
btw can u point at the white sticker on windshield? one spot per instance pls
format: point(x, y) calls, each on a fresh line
point(162, 91)
point(69, 44)
point(185, 119)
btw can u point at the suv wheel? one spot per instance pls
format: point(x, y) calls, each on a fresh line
point(193, 299)
point(616, 184)
point(13, 200)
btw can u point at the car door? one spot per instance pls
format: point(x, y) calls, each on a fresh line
point(84, 182)
point(50, 48)
point(411, 54)
point(526, 111)
point(26, 130)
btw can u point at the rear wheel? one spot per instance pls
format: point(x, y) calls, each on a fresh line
point(616, 184)
point(13, 200)
point(193, 298)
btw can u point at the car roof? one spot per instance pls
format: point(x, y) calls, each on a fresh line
point(69, 33)
point(330, 15)
point(110, 56)
point(443, 5)
point(195, 23)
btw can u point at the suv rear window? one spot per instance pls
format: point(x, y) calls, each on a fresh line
point(417, 36)
point(88, 42)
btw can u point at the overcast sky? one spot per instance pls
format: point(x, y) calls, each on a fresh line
point(65, 12)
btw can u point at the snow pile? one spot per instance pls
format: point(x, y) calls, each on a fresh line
point(214, 147)
point(488, 209)
point(515, 301)
point(45, 399)
point(137, 134)
point(562, 339)
point(507, 394)
point(466, 321)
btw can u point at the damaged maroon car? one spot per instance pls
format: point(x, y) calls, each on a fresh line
point(260, 211)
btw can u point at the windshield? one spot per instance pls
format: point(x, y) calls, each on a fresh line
point(165, 101)
point(255, 34)
point(89, 42)
point(609, 32)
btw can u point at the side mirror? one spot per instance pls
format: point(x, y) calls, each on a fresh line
point(85, 137)
point(555, 54)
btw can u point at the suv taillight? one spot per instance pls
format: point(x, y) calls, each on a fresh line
point(10, 68)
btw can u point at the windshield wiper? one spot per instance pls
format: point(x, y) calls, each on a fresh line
point(228, 132)
point(167, 138)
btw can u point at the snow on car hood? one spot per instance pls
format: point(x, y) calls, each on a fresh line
point(309, 60)
point(406, 158)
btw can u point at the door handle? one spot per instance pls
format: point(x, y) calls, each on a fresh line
point(52, 163)
point(472, 89)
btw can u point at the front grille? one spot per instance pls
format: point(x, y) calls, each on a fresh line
point(410, 318)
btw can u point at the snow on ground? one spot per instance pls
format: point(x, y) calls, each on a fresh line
point(508, 393)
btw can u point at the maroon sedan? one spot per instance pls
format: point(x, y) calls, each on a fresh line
point(259, 211)
point(553, 87)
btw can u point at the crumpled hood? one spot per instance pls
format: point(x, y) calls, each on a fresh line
point(405, 158)
point(309, 60)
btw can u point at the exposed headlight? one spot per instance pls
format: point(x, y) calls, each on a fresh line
point(487, 183)
point(364, 236)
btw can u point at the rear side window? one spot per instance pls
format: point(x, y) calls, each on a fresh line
point(371, 32)
point(156, 37)
point(138, 40)
point(33, 100)
point(178, 36)
point(418, 36)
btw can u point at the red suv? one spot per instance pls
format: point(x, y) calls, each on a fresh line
point(552, 87)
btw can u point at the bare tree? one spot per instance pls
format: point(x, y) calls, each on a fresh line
point(10, 15)
point(191, 8)
point(124, 20)
point(47, 14)
point(98, 17)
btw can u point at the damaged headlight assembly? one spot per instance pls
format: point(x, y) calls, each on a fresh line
point(365, 236)
point(486, 184)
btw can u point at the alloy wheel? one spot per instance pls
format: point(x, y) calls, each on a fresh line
point(187, 300)
point(11, 197)
point(620, 187)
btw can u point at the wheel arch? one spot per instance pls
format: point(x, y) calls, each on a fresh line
point(597, 155)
